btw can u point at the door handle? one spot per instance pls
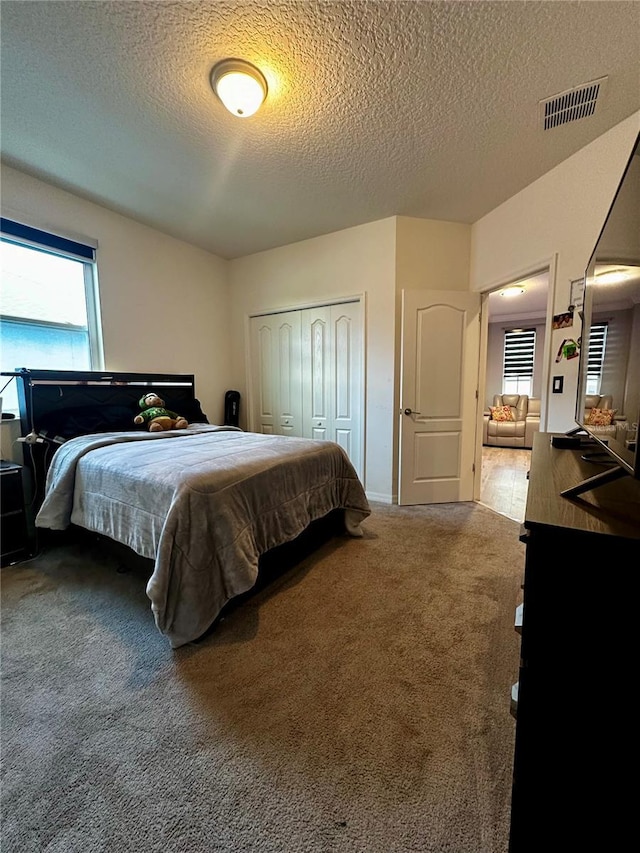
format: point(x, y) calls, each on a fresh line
point(411, 412)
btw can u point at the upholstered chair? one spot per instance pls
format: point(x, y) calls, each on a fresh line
point(604, 402)
point(597, 401)
point(518, 432)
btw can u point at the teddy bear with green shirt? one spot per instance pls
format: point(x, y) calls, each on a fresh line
point(156, 417)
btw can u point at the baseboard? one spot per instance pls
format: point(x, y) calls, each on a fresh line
point(380, 498)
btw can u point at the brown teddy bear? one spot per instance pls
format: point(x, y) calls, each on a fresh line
point(155, 415)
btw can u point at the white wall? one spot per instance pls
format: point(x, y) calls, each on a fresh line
point(560, 214)
point(358, 260)
point(164, 303)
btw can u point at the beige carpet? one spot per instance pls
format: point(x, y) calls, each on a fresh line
point(358, 703)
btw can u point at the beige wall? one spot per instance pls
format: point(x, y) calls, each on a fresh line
point(355, 261)
point(431, 254)
point(164, 303)
point(379, 260)
point(560, 214)
point(198, 304)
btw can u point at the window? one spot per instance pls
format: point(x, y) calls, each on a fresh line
point(595, 356)
point(48, 305)
point(519, 351)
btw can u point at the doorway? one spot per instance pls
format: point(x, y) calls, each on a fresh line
point(516, 360)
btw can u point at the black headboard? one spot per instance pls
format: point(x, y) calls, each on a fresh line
point(49, 396)
point(44, 392)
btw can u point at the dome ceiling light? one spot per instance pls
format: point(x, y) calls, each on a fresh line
point(240, 86)
point(515, 290)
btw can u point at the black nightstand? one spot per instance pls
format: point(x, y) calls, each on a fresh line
point(14, 541)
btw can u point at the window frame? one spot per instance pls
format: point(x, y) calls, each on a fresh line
point(76, 248)
point(518, 376)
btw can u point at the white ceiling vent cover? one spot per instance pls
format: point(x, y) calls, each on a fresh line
point(572, 105)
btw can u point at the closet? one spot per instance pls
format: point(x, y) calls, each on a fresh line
point(306, 375)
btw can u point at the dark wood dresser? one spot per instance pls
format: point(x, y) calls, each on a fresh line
point(575, 706)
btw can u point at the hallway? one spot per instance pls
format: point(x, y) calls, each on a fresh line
point(504, 480)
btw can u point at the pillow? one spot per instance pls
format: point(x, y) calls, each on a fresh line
point(84, 420)
point(601, 417)
point(501, 413)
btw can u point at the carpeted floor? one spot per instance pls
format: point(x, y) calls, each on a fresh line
point(358, 703)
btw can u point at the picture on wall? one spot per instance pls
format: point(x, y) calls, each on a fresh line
point(563, 321)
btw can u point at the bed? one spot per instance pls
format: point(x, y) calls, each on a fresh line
point(202, 503)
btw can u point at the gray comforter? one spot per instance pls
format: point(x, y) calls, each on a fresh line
point(204, 503)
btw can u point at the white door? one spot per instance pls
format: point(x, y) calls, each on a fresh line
point(287, 364)
point(346, 385)
point(438, 403)
point(332, 376)
point(263, 403)
point(316, 370)
point(307, 375)
point(276, 361)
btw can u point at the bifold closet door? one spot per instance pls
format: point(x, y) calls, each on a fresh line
point(332, 376)
point(306, 369)
point(275, 367)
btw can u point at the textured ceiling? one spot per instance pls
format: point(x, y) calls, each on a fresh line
point(425, 109)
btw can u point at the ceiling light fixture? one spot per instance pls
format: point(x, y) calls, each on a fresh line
point(612, 277)
point(240, 86)
point(516, 290)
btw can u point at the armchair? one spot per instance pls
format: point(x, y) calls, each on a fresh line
point(618, 423)
point(516, 433)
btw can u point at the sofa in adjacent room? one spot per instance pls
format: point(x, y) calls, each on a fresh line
point(512, 421)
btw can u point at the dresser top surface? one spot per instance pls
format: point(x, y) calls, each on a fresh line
point(612, 509)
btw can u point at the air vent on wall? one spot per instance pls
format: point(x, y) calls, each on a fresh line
point(572, 105)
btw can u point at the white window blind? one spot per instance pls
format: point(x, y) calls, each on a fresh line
point(519, 353)
point(595, 356)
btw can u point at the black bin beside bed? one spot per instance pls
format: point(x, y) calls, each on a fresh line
point(203, 503)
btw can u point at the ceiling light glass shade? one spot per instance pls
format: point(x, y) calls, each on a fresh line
point(512, 291)
point(239, 85)
point(612, 277)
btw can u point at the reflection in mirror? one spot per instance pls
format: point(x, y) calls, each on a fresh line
point(610, 358)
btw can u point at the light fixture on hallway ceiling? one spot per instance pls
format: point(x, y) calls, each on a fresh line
point(240, 86)
point(514, 290)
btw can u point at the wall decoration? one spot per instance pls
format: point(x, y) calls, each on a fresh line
point(576, 297)
point(563, 321)
point(568, 349)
